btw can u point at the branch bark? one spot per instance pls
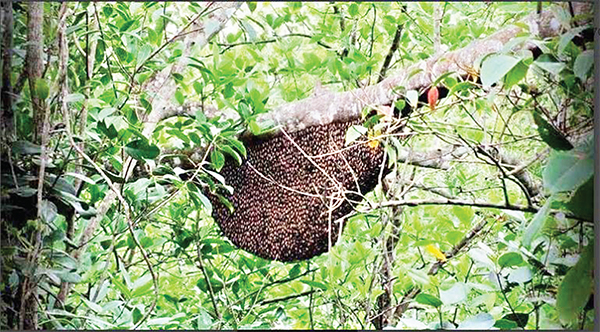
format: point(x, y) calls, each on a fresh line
point(34, 62)
point(6, 116)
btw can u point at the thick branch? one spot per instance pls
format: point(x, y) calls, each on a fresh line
point(346, 106)
point(6, 117)
point(33, 60)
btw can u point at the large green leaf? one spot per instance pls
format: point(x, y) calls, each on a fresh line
point(568, 170)
point(582, 202)
point(510, 259)
point(583, 64)
point(140, 149)
point(550, 134)
point(576, 287)
point(429, 300)
point(495, 67)
point(456, 294)
point(536, 224)
point(217, 158)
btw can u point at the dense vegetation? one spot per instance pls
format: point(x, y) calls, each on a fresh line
point(117, 118)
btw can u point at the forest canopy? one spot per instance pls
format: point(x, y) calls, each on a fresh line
point(313, 165)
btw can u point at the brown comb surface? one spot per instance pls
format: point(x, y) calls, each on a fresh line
point(284, 205)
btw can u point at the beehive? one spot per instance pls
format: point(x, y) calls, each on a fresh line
point(291, 190)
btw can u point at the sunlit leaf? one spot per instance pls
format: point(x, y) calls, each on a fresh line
point(510, 259)
point(495, 67)
point(482, 321)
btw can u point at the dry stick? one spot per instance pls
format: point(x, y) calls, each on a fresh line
point(283, 299)
point(390, 55)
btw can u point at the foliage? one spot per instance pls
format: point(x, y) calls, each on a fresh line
point(529, 268)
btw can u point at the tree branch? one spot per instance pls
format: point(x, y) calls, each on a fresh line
point(346, 106)
point(479, 204)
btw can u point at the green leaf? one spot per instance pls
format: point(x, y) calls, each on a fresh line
point(354, 132)
point(41, 88)
point(91, 305)
point(315, 284)
point(568, 170)
point(583, 64)
point(482, 321)
point(125, 26)
point(519, 318)
point(121, 287)
point(179, 97)
point(295, 271)
point(567, 37)
point(549, 63)
point(413, 97)
point(143, 54)
point(456, 294)
point(353, 9)
point(81, 177)
point(70, 277)
point(232, 153)
point(516, 74)
point(121, 54)
point(110, 132)
point(238, 145)
point(582, 202)
point(480, 257)
point(136, 315)
point(74, 97)
point(495, 67)
point(251, 5)
point(552, 136)
point(520, 275)
point(536, 224)
point(428, 299)
point(254, 128)
point(198, 87)
point(464, 213)
point(26, 147)
point(140, 149)
point(217, 159)
point(576, 287)
point(48, 211)
point(505, 324)
point(510, 259)
point(419, 276)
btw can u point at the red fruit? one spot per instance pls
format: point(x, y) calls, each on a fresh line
point(432, 97)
